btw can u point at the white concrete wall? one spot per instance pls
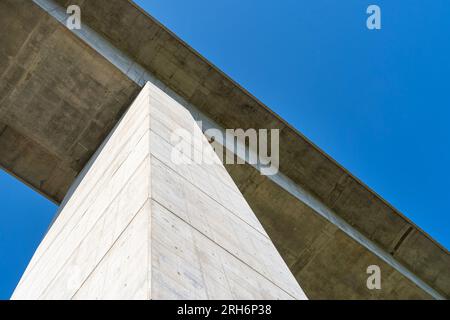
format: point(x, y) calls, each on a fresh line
point(139, 226)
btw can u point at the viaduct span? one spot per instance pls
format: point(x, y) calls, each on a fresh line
point(84, 116)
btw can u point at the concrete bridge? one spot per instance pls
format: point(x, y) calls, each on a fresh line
point(64, 98)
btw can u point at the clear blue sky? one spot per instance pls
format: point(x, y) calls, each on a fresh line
point(376, 101)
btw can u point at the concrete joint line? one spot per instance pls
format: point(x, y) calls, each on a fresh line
point(402, 239)
point(195, 186)
point(72, 190)
point(110, 248)
point(147, 158)
point(193, 227)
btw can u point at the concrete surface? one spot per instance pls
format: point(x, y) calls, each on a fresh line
point(60, 96)
point(58, 99)
point(138, 226)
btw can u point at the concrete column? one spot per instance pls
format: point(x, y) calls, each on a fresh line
point(138, 225)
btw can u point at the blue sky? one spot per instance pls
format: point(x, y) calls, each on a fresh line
point(377, 101)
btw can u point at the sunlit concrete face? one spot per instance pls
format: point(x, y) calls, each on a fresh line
point(139, 226)
point(60, 95)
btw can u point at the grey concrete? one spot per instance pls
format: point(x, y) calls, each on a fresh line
point(307, 241)
point(58, 98)
point(138, 226)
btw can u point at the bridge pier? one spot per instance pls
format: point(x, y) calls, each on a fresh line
point(136, 225)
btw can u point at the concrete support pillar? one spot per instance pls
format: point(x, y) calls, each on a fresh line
point(138, 225)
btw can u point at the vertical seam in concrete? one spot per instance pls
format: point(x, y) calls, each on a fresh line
point(197, 254)
point(150, 213)
point(215, 200)
point(224, 249)
point(90, 229)
point(402, 239)
point(110, 248)
point(71, 190)
point(89, 164)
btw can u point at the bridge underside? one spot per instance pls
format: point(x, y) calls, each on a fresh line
point(59, 98)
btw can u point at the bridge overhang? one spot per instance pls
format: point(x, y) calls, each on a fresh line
point(61, 92)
